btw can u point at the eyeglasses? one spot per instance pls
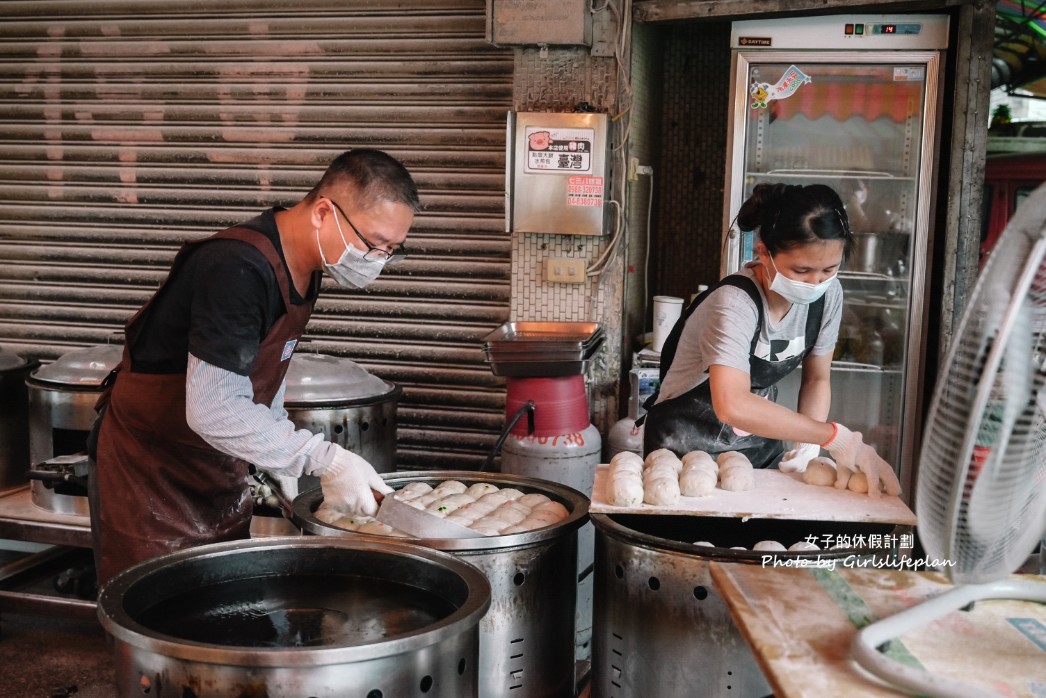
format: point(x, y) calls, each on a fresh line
point(374, 253)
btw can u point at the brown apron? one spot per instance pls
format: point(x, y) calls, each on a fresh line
point(156, 486)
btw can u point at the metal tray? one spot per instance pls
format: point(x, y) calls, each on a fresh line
point(543, 335)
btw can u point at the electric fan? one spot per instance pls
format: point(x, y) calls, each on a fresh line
point(981, 489)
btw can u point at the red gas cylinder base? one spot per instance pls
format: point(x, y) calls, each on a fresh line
point(560, 404)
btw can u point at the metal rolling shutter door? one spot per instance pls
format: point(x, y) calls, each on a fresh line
point(129, 126)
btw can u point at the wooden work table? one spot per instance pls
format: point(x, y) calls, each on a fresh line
point(800, 622)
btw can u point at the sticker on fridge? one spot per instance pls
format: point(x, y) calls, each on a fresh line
point(763, 93)
point(559, 150)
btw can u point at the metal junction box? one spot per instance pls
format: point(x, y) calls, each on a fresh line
point(556, 178)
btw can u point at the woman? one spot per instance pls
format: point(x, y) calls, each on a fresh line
point(721, 363)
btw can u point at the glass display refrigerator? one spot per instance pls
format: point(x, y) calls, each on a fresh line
point(851, 102)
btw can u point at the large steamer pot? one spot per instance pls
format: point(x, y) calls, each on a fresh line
point(338, 398)
point(527, 637)
point(14, 418)
point(62, 395)
point(660, 627)
point(296, 617)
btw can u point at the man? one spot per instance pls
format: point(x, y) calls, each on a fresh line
point(199, 393)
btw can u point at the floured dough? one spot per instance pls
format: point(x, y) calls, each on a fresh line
point(626, 458)
point(697, 482)
point(820, 471)
point(625, 492)
point(802, 546)
point(729, 459)
point(664, 461)
point(858, 482)
point(736, 479)
point(699, 459)
point(663, 491)
point(657, 454)
point(768, 545)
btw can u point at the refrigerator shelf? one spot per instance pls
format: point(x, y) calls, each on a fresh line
point(822, 174)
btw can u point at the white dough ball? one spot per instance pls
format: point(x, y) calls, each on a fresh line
point(425, 499)
point(495, 498)
point(696, 458)
point(530, 524)
point(486, 530)
point(820, 471)
point(626, 458)
point(657, 454)
point(382, 529)
point(733, 459)
point(696, 482)
point(628, 466)
point(555, 507)
point(532, 500)
point(802, 546)
point(508, 514)
point(625, 493)
point(509, 530)
point(626, 475)
point(511, 493)
point(329, 515)
point(704, 544)
point(737, 479)
point(661, 492)
point(414, 489)
point(450, 487)
point(768, 545)
point(480, 489)
point(517, 506)
point(656, 472)
point(858, 482)
point(663, 460)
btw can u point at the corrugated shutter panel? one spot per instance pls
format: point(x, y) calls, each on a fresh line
point(129, 126)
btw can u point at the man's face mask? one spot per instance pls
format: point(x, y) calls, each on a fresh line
point(353, 269)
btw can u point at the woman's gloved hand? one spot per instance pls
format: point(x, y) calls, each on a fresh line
point(348, 482)
point(795, 461)
point(852, 454)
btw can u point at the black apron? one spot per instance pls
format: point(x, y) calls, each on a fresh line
point(155, 486)
point(687, 422)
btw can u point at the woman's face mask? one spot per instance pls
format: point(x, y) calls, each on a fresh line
point(797, 291)
point(352, 270)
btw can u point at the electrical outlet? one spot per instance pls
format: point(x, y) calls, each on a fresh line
point(565, 270)
point(633, 166)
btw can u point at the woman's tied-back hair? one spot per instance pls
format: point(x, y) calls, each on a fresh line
point(371, 176)
point(787, 216)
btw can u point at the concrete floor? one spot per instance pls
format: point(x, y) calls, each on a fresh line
point(54, 658)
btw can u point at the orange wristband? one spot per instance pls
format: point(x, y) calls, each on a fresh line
point(835, 433)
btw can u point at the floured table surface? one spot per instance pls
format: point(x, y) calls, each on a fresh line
point(800, 622)
point(776, 495)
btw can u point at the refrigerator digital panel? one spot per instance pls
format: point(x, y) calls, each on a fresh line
point(851, 102)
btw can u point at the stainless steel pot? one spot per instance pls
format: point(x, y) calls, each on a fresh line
point(660, 627)
point(14, 418)
point(336, 397)
point(62, 395)
point(527, 637)
point(295, 617)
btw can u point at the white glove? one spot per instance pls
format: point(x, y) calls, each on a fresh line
point(852, 454)
point(348, 482)
point(288, 485)
point(795, 461)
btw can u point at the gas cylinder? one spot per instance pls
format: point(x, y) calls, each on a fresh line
point(626, 436)
point(565, 447)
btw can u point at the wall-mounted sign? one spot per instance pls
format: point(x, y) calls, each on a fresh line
point(552, 149)
point(556, 173)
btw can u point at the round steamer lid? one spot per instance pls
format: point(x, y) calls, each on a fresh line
point(319, 379)
point(81, 367)
point(10, 360)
